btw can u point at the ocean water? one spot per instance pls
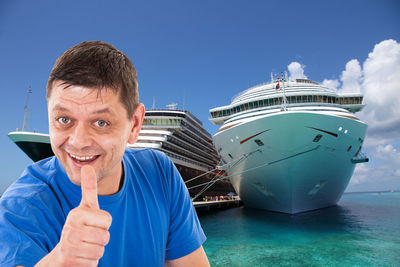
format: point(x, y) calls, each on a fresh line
point(362, 230)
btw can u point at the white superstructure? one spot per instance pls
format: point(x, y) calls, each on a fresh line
point(290, 146)
point(180, 135)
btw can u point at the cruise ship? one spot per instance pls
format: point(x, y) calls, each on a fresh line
point(290, 146)
point(180, 135)
point(177, 133)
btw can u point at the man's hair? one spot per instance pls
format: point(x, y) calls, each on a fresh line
point(99, 65)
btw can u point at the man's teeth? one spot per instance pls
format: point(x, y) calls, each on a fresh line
point(82, 158)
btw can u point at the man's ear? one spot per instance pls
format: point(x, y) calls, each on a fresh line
point(137, 119)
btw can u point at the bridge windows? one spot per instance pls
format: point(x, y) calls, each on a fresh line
point(291, 100)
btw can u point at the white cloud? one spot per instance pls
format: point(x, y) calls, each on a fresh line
point(351, 77)
point(381, 89)
point(334, 84)
point(378, 79)
point(381, 173)
point(296, 71)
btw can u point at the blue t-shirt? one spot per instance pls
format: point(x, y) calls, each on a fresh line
point(153, 216)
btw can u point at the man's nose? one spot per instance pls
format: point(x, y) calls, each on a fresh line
point(80, 136)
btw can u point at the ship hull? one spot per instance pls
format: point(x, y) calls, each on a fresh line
point(291, 162)
point(35, 145)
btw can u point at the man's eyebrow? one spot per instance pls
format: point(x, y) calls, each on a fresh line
point(58, 107)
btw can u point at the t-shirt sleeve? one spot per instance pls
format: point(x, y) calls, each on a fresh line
point(24, 236)
point(186, 234)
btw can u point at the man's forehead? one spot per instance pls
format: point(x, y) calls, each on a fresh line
point(66, 108)
point(74, 97)
point(78, 92)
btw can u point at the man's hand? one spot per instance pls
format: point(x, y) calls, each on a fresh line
point(85, 232)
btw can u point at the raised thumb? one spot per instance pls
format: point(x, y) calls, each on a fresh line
point(89, 187)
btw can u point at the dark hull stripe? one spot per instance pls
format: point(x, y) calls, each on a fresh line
point(333, 134)
point(248, 138)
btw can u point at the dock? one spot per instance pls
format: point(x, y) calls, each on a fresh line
point(217, 204)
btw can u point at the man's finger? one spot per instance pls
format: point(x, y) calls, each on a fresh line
point(89, 187)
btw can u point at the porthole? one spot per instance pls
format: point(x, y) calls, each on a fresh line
point(259, 142)
point(317, 138)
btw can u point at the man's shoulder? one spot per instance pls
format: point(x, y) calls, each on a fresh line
point(34, 179)
point(145, 155)
point(150, 163)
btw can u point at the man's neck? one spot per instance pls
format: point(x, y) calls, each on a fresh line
point(112, 184)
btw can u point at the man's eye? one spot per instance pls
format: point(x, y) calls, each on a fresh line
point(101, 123)
point(63, 120)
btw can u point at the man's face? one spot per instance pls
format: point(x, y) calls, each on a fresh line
point(91, 128)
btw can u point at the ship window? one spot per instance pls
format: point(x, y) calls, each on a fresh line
point(260, 103)
point(270, 102)
point(259, 142)
point(255, 104)
point(265, 102)
point(317, 138)
point(325, 99)
point(292, 99)
point(304, 98)
point(298, 99)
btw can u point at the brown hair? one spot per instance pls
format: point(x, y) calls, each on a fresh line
point(98, 65)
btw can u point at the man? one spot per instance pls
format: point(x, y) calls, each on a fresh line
point(96, 202)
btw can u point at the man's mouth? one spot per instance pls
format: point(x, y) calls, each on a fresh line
point(83, 159)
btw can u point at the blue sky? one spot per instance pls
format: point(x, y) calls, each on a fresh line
point(201, 53)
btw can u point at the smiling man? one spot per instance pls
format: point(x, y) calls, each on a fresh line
point(97, 202)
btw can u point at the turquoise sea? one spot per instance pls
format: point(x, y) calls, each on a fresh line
point(362, 230)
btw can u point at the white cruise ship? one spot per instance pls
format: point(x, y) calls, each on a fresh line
point(177, 133)
point(290, 146)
